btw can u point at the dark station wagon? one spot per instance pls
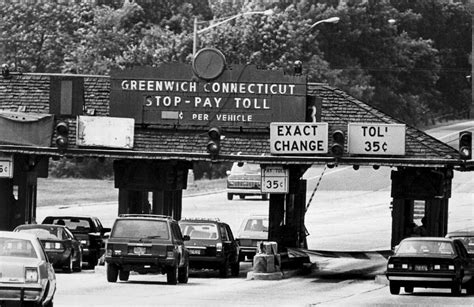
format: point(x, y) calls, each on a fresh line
point(147, 243)
point(211, 245)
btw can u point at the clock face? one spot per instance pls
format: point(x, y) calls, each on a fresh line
point(208, 63)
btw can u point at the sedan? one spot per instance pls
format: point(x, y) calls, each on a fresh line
point(430, 262)
point(467, 238)
point(25, 273)
point(253, 229)
point(63, 249)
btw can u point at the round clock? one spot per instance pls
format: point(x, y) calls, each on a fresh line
point(208, 63)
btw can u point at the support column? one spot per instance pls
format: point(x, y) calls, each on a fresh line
point(436, 213)
point(131, 202)
point(276, 217)
point(168, 203)
point(402, 217)
point(7, 202)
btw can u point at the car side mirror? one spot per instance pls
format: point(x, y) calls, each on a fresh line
point(186, 238)
point(104, 230)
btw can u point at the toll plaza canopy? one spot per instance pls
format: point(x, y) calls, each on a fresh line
point(165, 113)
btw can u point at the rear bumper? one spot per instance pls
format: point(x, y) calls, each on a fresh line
point(21, 292)
point(244, 191)
point(427, 280)
point(59, 259)
point(201, 262)
point(141, 263)
point(248, 251)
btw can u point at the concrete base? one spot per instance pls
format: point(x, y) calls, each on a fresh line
point(264, 276)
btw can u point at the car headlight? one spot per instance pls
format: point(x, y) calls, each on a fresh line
point(31, 274)
point(404, 266)
point(451, 267)
point(391, 266)
point(437, 267)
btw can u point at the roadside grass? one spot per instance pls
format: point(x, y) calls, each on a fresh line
point(67, 191)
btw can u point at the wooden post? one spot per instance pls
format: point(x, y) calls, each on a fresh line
point(436, 214)
point(402, 216)
point(7, 202)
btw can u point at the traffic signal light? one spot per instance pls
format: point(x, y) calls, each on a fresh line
point(465, 145)
point(62, 132)
point(337, 148)
point(213, 146)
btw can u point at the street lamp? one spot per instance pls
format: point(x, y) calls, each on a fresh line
point(196, 31)
point(328, 20)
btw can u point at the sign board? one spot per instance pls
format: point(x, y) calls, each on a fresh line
point(173, 95)
point(6, 166)
point(298, 138)
point(275, 179)
point(376, 139)
point(111, 132)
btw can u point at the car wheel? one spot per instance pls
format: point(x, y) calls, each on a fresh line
point(69, 268)
point(470, 287)
point(394, 288)
point(172, 275)
point(183, 274)
point(456, 288)
point(409, 289)
point(112, 272)
point(124, 275)
point(235, 269)
point(78, 264)
point(224, 269)
point(242, 196)
point(230, 196)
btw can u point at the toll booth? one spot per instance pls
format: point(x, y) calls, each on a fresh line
point(155, 122)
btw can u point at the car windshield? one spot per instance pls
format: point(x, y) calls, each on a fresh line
point(50, 233)
point(74, 224)
point(245, 169)
point(10, 247)
point(426, 247)
point(132, 228)
point(256, 224)
point(199, 231)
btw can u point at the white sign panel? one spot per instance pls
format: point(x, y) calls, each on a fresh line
point(376, 139)
point(275, 179)
point(6, 167)
point(112, 132)
point(298, 138)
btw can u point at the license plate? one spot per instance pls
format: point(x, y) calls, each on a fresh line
point(420, 267)
point(195, 251)
point(139, 250)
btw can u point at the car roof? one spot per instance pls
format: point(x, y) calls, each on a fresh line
point(201, 220)
point(18, 235)
point(80, 216)
point(441, 239)
point(145, 216)
point(43, 226)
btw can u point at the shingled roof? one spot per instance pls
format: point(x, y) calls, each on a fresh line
point(32, 92)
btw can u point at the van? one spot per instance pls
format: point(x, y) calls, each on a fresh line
point(244, 179)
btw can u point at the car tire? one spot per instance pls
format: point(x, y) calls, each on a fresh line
point(456, 288)
point(78, 265)
point(183, 274)
point(124, 275)
point(93, 261)
point(394, 288)
point(112, 272)
point(408, 289)
point(230, 196)
point(172, 275)
point(224, 269)
point(235, 269)
point(70, 265)
point(470, 287)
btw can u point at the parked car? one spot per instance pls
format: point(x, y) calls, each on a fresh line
point(147, 243)
point(25, 273)
point(244, 179)
point(62, 247)
point(430, 262)
point(466, 237)
point(89, 231)
point(211, 245)
point(253, 229)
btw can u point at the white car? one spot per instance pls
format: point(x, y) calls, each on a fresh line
point(25, 273)
point(253, 229)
